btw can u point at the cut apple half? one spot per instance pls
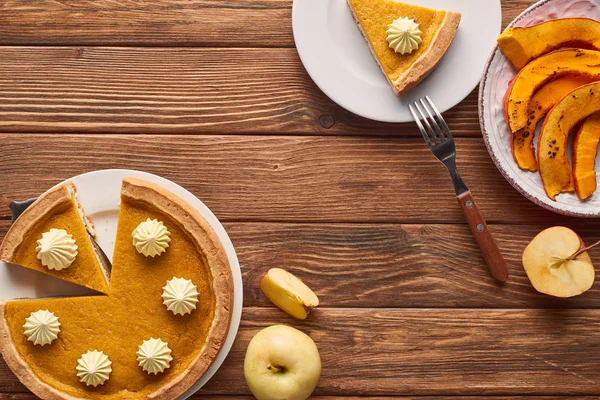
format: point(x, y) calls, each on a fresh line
point(548, 264)
point(521, 45)
point(585, 148)
point(542, 101)
point(555, 169)
point(288, 293)
point(540, 71)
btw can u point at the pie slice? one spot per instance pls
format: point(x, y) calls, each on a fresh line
point(133, 312)
point(57, 209)
point(405, 71)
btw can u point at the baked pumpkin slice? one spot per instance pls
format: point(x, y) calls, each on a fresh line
point(53, 236)
point(436, 30)
point(137, 315)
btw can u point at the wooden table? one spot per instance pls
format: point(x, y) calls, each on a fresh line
point(212, 95)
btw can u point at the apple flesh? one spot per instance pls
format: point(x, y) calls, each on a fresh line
point(288, 293)
point(546, 263)
point(282, 363)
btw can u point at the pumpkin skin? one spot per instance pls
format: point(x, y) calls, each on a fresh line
point(521, 45)
point(541, 70)
point(542, 101)
point(585, 147)
point(555, 169)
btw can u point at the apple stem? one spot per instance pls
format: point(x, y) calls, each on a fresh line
point(273, 368)
point(580, 251)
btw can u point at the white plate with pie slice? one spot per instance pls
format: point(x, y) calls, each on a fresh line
point(338, 59)
point(99, 192)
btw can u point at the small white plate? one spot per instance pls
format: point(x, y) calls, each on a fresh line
point(338, 59)
point(497, 136)
point(100, 193)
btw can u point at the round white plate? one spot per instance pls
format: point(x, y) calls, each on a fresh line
point(497, 136)
point(100, 193)
point(338, 59)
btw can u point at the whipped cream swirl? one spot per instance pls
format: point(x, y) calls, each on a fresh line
point(41, 327)
point(404, 35)
point(151, 238)
point(180, 296)
point(56, 249)
point(154, 356)
point(94, 368)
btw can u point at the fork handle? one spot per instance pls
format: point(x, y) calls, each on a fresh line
point(483, 236)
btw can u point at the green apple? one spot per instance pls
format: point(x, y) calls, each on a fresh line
point(282, 363)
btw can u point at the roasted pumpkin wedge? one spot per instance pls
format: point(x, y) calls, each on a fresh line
point(540, 71)
point(541, 102)
point(555, 169)
point(521, 45)
point(585, 147)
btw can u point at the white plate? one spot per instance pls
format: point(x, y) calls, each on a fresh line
point(99, 193)
point(338, 59)
point(497, 136)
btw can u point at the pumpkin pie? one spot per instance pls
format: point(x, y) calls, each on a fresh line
point(133, 313)
point(57, 209)
point(405, 71)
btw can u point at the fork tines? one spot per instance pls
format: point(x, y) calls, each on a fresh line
point(434, 129)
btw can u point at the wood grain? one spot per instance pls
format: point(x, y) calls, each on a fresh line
point(300, 179)
point(179, 90)
point(376, 352)
point(237, 23)
point(395, 266)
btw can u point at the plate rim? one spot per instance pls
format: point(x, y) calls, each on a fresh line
point(486, 135)
point(229, 251)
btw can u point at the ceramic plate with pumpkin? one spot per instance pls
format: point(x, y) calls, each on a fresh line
point(164, 319)
point(538, 105)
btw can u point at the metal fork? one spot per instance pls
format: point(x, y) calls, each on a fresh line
point(438, 137)
point(17, 208)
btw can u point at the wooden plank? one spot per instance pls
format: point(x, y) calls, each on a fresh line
point(237, 23)
point(182, 90)
point(377, 352)
point(433, 266)
point(394, 266)
point(298, 179)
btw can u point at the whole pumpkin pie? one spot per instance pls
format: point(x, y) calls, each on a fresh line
point(424, 35)
point(57, 211)
point(161, 325)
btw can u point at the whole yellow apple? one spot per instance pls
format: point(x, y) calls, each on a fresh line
point(282, 363)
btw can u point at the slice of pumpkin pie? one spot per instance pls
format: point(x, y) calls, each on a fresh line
point(407, 41)
point(53, 236)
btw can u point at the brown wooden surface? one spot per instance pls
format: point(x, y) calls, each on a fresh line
point(360, 210)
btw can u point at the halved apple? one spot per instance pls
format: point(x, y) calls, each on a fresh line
point(288, 293)
point(555, 169)
point(541, 70)
point(542, 101)
point(585, 147)
point(548, 267)
point(521, 45)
